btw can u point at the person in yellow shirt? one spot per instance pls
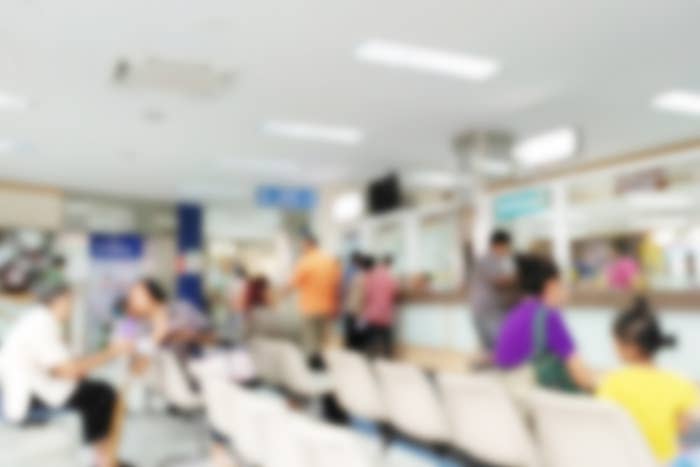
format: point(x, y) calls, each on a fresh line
point(661, 402)
point(317, 280)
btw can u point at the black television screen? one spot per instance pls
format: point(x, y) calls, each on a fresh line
point(384, 194)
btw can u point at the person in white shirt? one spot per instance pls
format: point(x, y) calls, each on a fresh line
point(39, 372)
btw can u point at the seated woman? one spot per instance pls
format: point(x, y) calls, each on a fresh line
point(39, 372)
point(660, 401)
point(535, 333)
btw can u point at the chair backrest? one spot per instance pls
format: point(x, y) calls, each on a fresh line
point(211, 374)
point(578, 431)
point(174, 384)
point(328, 445)
point(296, 375)
point(245, 412)
point(412, 402)
point(485, 421)
point(266, 357)
point(355, 385)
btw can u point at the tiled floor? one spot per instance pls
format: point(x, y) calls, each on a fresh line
point(162, 440)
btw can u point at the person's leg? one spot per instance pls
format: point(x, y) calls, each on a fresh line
point(388, 342)
point(96, 403)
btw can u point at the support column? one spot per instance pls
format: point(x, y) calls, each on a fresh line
point(561, 236)
point(190, 245)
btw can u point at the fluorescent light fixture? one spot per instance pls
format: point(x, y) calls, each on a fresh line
point(11, 102)
point(418, 58)
point(348, 207)
point(314, 132)
point(679, 101)
point(546, 148)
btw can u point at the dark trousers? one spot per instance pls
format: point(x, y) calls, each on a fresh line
point(353, 335)
point(379, 341)
point(95, 402)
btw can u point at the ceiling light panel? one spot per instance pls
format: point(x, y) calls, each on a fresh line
point(546, 148)
point(678, 101)
point(314, 132)
point(425, 59)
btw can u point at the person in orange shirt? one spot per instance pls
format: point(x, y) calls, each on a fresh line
point(317, 281)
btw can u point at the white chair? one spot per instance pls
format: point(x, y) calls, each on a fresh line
point(579, 431)
point(355, 385)
point(297, 378)
point(212, 376)
point(328, 445)
point(484, 420)
point(174, 383)
point(245, 410)
point(412, 402)
point(266, 357)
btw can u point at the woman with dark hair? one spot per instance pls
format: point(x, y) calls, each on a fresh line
point(535, 333)
point(660, 401)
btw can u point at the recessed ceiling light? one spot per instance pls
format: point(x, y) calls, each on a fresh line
point(545, 148)
point(426, 59)
point(11, 102)
point(314, 132)
point(678, 101)
point(436, 179)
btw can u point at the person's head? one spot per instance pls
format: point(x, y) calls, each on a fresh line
point(58, 262)
point(638, 334)
point(500, 243)
point(356, 259)
point(621, 247)
point(540, 277)
point(57, 296)
point(239, 271)
point(368, 263)
point(308, 242)
point(145, 298)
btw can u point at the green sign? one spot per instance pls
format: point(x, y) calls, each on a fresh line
point(519, 204)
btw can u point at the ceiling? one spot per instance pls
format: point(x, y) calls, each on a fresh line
point(594, 64)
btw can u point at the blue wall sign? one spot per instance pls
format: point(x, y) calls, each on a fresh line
point(287, 198)
point(519, 204)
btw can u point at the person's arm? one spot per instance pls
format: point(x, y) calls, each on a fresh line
point(580, 373)
point(560, 341)
point(78, 368)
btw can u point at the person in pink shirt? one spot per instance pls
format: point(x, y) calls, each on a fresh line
point(623, 272)
point(380, 295)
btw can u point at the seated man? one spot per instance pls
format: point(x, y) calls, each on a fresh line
point(38, 371)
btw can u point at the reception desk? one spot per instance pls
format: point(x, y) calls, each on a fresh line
point(444, 325)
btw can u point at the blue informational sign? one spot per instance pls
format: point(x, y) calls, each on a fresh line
point(116, 246)
point(519, 204)
point(190, 244)
point(287, 198)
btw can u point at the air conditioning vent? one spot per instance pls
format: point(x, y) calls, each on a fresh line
point(189, 79)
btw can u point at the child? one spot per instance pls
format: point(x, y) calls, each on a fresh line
point(658, 400)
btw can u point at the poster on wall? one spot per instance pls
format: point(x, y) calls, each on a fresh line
point(25, 255)
point(116, 262)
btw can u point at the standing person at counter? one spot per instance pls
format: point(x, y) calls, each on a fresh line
point(535, 333)
point(316, 278)
point(381, 292)
point(493, 289)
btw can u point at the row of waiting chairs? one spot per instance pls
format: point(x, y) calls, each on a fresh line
point(264, 432)
point(473, 413)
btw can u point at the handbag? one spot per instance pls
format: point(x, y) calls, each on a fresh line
point(550, 370)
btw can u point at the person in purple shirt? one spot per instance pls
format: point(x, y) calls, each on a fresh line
point(544, 293)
